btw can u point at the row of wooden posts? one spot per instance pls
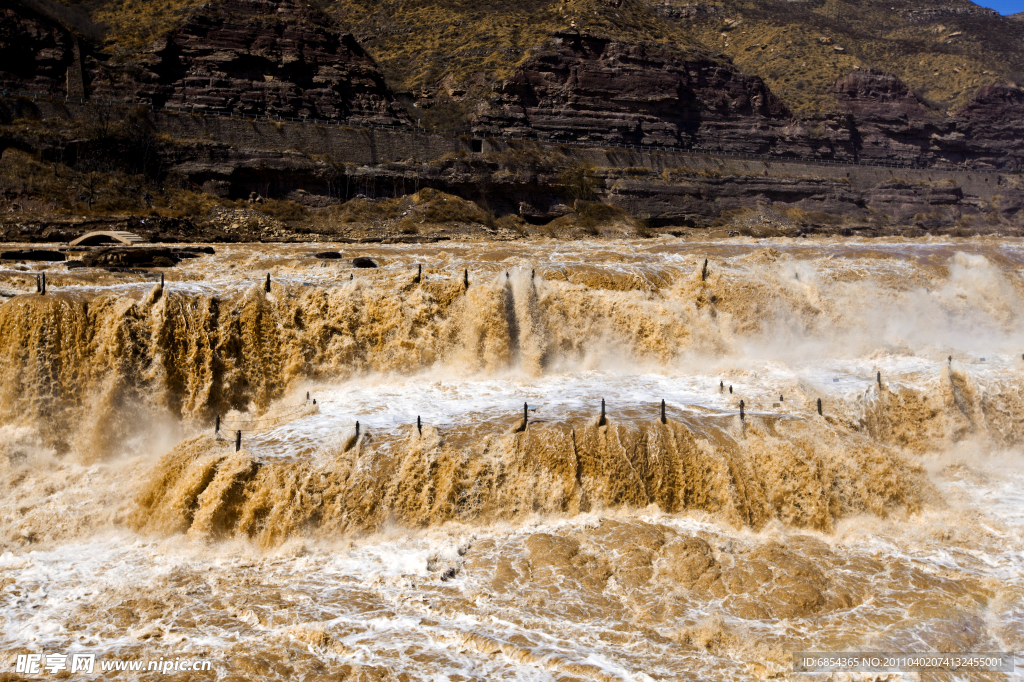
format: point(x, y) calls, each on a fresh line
point(41, 279)
point(603, 421)
point(416, 280)
point(41, 283)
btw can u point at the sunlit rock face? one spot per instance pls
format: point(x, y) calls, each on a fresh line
point(267, 58)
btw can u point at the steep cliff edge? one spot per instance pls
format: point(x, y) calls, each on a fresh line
point(266, 58)
point(628, 75)
point(887, 122)
point(38, 53)
point(596, 89)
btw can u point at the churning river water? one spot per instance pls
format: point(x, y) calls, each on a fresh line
point(411, 524)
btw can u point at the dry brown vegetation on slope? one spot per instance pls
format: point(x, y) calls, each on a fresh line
point(443, 51)
point(945, 52)
point(445, 55)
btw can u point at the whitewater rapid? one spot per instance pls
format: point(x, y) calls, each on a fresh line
point(472, 545)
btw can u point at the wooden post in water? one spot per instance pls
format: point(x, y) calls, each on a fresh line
point(721, 387)
point(465, 277)
point(602, 421)
point(357, 430)
point(419, 425)
point(238, 441)
point(663, 420)
point(216, 427)
point(742, 416)
point(161, 281)
point(704, 271)
point(266, 287)
point(533, 274)
point(526, 419)
point(730, 389)
point(419, 274)
point(819, 407)
point(879, 381)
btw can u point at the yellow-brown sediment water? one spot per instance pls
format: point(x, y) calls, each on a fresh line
point(405, 521)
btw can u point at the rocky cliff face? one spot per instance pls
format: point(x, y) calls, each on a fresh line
point(880, 96)
point(282, 58)
point(259, 57)
point(595, 89)
point(885, 122)
point(250, 57)
point(35, 53)
point(989, 129)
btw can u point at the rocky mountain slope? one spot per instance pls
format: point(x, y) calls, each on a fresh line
point(280, 59)
point(846, 81)
point(444, 52)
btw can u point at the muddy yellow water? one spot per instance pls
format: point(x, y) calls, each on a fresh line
point(805, 445)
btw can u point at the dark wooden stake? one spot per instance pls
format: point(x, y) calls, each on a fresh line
point(238, 441)
point(465, 277)
point(721, 387)
point(603, 421)
point(161, 280)
point(357, 430)
point(526, 419)
point(663, 420)
point(266, 287)
point(533, 274)
point(419, 425)
point(216, 429)
point(730, 388)
point(419, 274)
point(819, 407)
point(742, 416)
point(704, 271)
point(307, 395)
point(879, 381)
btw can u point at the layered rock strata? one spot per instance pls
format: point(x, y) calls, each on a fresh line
point(36, 53)
point(257, 57)
point(883, 121)
point(595, 89)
